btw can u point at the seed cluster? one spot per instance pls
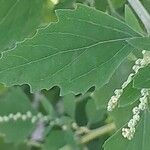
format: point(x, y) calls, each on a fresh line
point(23, 116)
point(113, 102)
point(130, 130)
point(34, 118)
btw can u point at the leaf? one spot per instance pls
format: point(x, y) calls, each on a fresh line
point(70, 105)
point(10, 146)
point(47, 106)
point(81, 120)
point(15, 101)
point(146, 4)
point(94, 114)
point(58, 139)
point(140, 140)
point(77, 52)
point(142, 80)
point(129, 96)
point(101, 5)
point(142, 43)
point(65, 4)
point(132, 20)
point(122, 115)
point(18, 20)
point(118, 3)
point(102, 95)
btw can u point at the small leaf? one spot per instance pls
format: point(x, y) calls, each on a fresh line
point(70, 105)
point(47, 106)
point(94, 114)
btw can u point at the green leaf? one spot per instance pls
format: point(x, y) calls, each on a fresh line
point(142, 80)
point(142, 43)
point(65, 4)
point(47, 106)
point(15, 101)
point(10, 146)
point(122, 115)
point(129, 96)
point(19, 19)
point(58, 139)
point(132, 20)
point(146, 4)
point(77, 52)
point(94, 114)
point(141, 137)
point(118, 3)
point(101, 5)
point(102, 95)
point(70, 105)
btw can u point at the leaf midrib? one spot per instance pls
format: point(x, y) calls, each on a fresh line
point(65, 51)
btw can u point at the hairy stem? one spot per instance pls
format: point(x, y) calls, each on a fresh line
point(141, 12)
point(93, 134)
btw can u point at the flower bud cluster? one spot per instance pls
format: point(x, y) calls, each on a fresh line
point(28, 116)
point(113, 102)
point(130, 130)
point(23, 116)
point(114, 99)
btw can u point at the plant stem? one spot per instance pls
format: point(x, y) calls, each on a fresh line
point(34, 143)
point(93, 134)
point(141, 12)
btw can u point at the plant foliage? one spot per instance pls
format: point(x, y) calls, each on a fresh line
point(63, 64)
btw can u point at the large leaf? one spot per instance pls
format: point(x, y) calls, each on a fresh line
point(18, 20)
point(77, 52)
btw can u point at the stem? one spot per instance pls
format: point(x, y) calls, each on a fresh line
point(34, 143)
point(93, 134)
point(141, 12)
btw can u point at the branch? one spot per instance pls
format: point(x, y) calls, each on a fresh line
point(141, 12)
point(93, 134)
